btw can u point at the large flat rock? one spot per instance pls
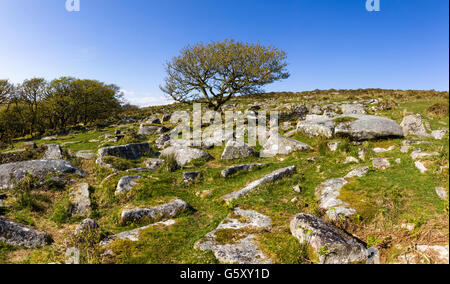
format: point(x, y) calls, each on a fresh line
point(20, 235)
point(12, 173)
point(184, 155)
point(154, 214)
point(329, 244)
point(244, 226)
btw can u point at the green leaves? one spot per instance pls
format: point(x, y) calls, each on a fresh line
point(219, 70)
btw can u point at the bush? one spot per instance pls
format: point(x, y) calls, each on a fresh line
point(439, 109)
point(25, 198)
point(170, 164)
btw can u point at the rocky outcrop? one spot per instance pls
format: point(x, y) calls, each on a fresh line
point(13, 173)
point(232, 170)
point(280, 145)
point(439, 134)
point(367, 127)
point(381, 163)
point(154, 214)
point(126, 184)
point(413, 125)
point(353, 109)
point(236, 150)
point(20, 235)
point(130, 152)
point(244, 226)
point(315, 126)
point(329, 244)
point(80, 199)
point(147, 129)
point(327, 194)
point(184, 155)
point(133, 235)
point(87, 226)
point(360, 172)
point(276, 175)
point(53, 152)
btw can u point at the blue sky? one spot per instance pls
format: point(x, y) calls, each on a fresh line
point(330, 43)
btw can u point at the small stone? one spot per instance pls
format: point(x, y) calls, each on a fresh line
point(190, 176)
point(405, 149)
point(383, 150)
point(350, 160)
point(153, 164)
point(362, 153)
point(398, 161)
point(409, 226)
point(294, 200)
point(297, 189)
point(358, 172)
point(439, 134)
point(126, 184)
point(381, 163)
point(333, 146)
point(421, 167)
point(441, 192)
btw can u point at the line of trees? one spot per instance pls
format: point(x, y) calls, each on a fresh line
point(37, 106)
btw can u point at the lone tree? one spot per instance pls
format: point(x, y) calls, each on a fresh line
point(220, 70)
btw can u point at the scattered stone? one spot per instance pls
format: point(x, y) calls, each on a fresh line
point(368, 127)
point(126, 184)
point(236, 150)
point(86, 155)
point(53, 152)
point(439, 134)
point(154, 214)
point(130, 152)
point(413, 125)
point(190, 176)
point(280, 145)
point(350, 160)
point(441, 192)
point(241, 249)
point(421, 167)
point(154, 164)
point(353, 109)
point(327, 193)
point(276, 175)
point(329, 244)
point(232, 170)
point(362, 154)
point(398, 161)
point(418, 154)
point(80, 199)
point(383, 150)
point(184, 155)
point(13, 173)
point(333, 146)
point(20, 235)
point(360, 172)
point(425, 254)
point(405, 149)
point(133, 235)
point(294, 200)
point(315, 126)
point(409, 143)
point(381, 163)
point(297, 189)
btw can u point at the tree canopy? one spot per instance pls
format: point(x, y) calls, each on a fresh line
point(220, 70)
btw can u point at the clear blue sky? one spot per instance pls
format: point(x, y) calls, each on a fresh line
point(330, 43)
